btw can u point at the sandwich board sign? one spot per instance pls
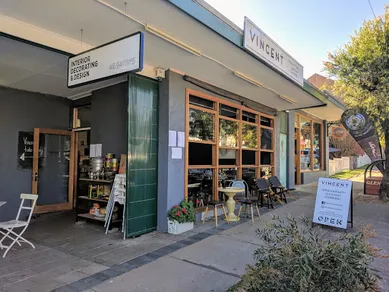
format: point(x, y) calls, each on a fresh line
point(333, 203)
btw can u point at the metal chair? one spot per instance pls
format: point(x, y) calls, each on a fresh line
point(9, 226)
point(245, 201)
point(279, 189)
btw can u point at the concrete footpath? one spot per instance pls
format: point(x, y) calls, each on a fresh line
point(217, 262)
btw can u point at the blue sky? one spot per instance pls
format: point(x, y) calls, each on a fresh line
point(306, 29)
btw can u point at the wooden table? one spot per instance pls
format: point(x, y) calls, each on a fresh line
point(230, 193)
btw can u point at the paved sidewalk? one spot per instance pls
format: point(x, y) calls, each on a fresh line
point(217, 262)
point(204, 259)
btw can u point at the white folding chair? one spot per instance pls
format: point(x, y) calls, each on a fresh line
point(7, 228)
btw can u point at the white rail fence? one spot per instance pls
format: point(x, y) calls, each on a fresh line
point(337, 165)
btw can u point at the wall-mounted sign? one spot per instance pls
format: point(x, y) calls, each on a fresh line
point(338, 132)
point(26, 149)
point(332, 204)
point(261, 45)
point(118, 57)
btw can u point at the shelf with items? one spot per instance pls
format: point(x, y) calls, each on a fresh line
point(92, 217)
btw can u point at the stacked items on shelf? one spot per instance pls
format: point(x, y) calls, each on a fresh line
point(101, 175)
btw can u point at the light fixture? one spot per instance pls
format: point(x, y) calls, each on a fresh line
point(288, 99)
point(248, 79)
point(172, 40)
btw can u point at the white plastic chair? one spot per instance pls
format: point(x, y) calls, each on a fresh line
point(8, 226)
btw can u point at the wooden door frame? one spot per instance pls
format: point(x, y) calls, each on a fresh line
point(35, 170)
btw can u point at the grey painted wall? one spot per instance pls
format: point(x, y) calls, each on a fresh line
point(23, 111)
point(278, 147)
point(109, 118)
point(163, 151)
point(291, 150)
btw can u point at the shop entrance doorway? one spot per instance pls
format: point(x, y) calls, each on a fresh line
point(53, 170)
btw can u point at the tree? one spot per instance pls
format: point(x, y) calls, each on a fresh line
point(361, 72)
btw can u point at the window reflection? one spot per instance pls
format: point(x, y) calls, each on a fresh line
point(266, 139)
point(248, 175)
point(249, 136)
point(201, 125)
point(227, 157)
point(316, 146)
point(200, 186)
point(305, 143)
point(266, 171)
point(228, 133)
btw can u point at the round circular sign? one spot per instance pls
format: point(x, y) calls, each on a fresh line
point(338, 132)
point(355, 122)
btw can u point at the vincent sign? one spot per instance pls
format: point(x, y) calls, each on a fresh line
point(332, 202)
point(262, 46)
point(118, 57)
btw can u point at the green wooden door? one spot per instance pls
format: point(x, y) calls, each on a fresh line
point(142, 164)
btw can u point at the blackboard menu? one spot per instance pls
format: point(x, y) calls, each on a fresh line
point(26, 149)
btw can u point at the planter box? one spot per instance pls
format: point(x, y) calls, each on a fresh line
point(177, 228)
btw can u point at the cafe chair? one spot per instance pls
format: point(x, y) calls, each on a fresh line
point(245, 201)
point(264, 191)
point(279, 189)
point(215, 204)
point(7, 228)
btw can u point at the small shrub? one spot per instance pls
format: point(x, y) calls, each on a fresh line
point(302, 258)
point(182, 213)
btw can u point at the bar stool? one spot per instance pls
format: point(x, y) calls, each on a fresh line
point(215, 204)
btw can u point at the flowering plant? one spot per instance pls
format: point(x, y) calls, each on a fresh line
point(182, 213)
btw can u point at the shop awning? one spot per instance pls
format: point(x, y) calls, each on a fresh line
point(172, 40)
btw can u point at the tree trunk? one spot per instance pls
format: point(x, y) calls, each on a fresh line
point(385, 180)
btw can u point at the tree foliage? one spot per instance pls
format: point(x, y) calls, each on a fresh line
point(296, 257)
point(361, 72)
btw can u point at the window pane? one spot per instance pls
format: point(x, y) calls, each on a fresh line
point(200, 186)
point(249, 117)
point(266, 171)
point(201, 102)
point(249, 136)
point(266, 158)
point(228, 133)
point(228, 111)
point(316, 145)
point(248, 175)
point(266, 139)
point(267, 122)
point(227, 174)
point(248, 157)
point(227, 157)
point(200, 154)
point(201, 125)
point(305, 143)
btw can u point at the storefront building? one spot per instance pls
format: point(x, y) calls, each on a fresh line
point(203, 103)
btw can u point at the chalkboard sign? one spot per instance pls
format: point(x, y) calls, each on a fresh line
point(26, 149)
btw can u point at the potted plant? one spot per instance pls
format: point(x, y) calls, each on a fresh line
point(181, 217)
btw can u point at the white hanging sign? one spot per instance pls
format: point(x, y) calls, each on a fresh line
point(332, 202)
point(261, 45)
point(118, 57)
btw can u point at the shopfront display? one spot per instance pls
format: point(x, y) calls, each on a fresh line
point(226, 141)
point(309, 145)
